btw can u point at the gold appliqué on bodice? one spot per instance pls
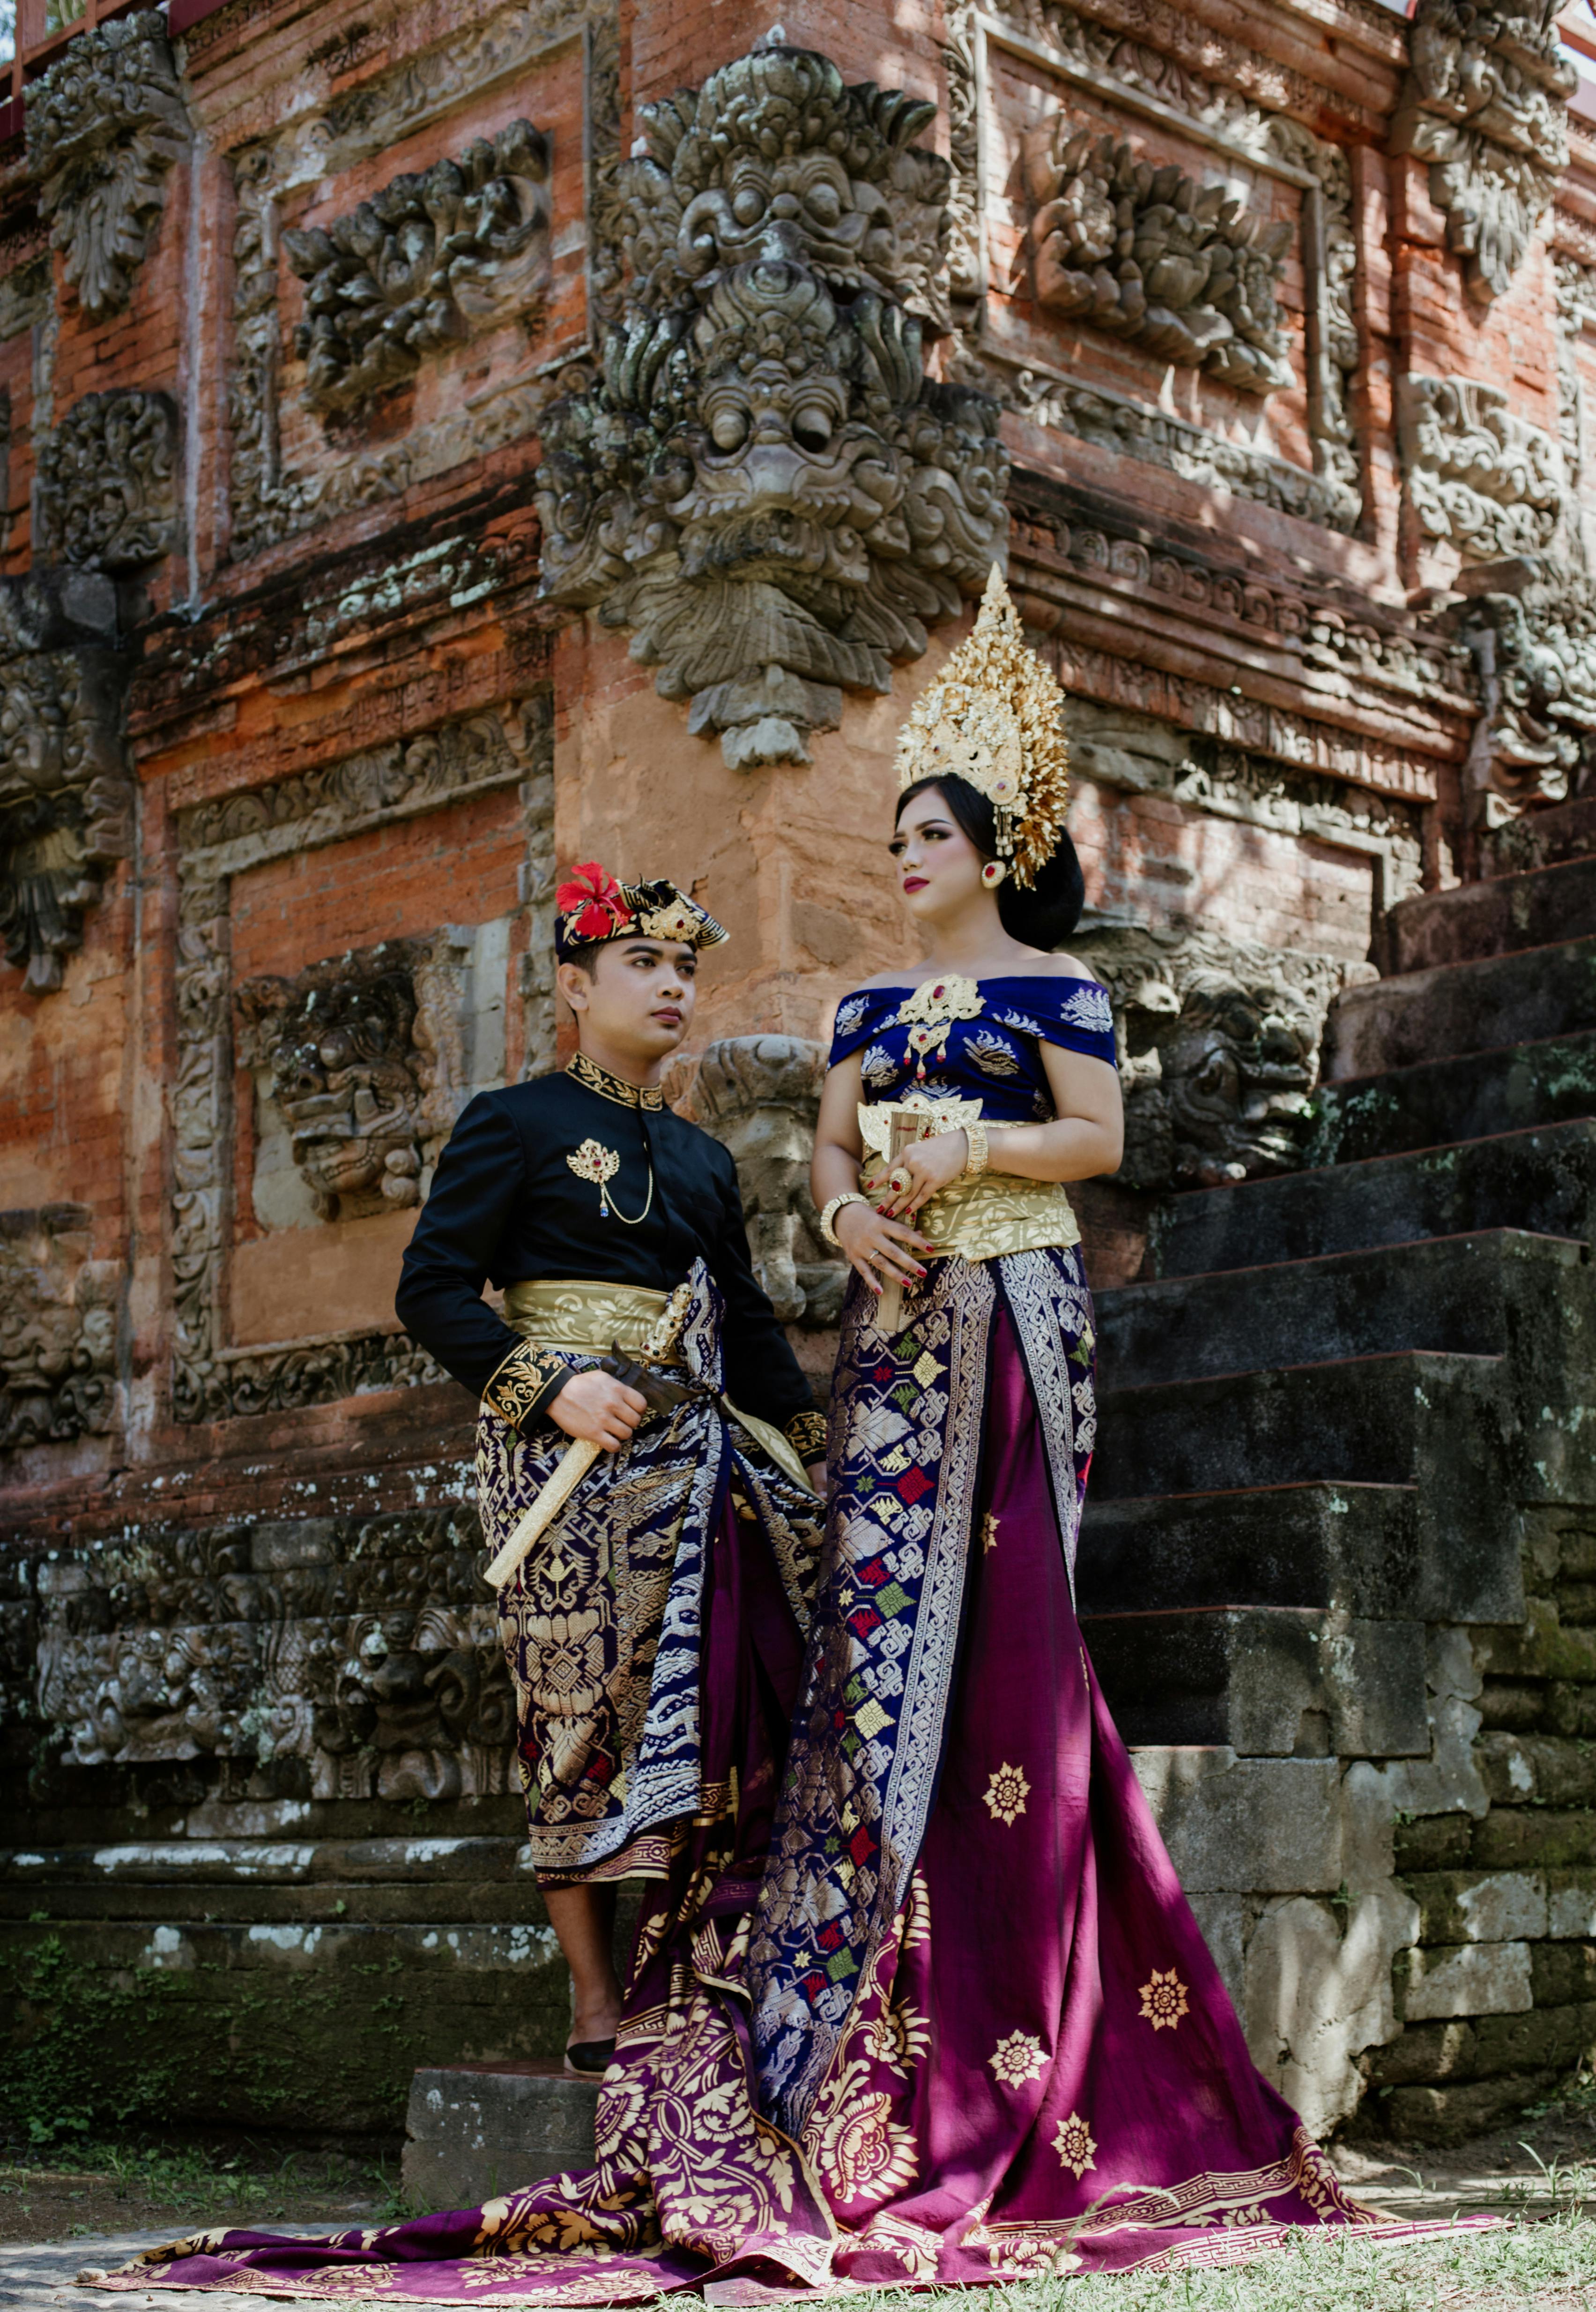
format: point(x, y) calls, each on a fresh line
point(930, 1011)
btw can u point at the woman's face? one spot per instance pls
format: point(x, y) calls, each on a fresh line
point(938, 866)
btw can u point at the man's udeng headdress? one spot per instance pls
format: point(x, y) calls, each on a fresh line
point(593, 907)
point(996, 718)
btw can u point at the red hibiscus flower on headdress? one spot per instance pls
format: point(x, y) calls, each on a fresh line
point(595, 901)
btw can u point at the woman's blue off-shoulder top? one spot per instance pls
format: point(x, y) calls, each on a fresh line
point(972, 1040)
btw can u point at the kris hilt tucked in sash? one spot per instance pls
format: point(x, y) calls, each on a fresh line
point(980, 1218)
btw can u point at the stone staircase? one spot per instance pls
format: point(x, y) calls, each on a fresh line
point(1339, 1552)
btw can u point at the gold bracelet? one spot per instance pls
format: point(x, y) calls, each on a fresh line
point(828, 1217)
point(976, 1163)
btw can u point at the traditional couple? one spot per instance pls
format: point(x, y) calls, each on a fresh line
point(914, 1996)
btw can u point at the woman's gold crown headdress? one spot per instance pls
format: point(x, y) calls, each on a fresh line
point(996, 718)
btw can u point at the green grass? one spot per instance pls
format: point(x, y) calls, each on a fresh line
point(205, 2183)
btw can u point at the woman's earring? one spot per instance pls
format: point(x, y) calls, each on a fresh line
point(993, 873)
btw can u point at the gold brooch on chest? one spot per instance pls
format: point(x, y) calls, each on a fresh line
point(596, 1162)
point(930, 1011)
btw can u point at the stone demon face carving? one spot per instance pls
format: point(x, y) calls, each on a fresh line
point(345, 1078)
point(1218, 1054)
point(764, 488)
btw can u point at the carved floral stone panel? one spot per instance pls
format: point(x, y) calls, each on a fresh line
point(107, 482)
point(1147, 253)
point(764, 490)
point(57, 1328)
point(105, 125)
point(1474, 473)
point(65, 801)
point(1487, 104)
point(427, 263)
point(1218, 1051)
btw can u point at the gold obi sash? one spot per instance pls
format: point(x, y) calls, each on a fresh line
point(979, 1218)
point(588, 1320)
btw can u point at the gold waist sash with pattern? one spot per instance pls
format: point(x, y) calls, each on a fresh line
point(589, 1319)
point(584, 1320)
point(981, 1217)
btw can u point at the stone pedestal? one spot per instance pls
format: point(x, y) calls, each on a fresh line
point(476, 2131)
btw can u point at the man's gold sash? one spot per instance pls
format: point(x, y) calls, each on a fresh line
point(982, 1218)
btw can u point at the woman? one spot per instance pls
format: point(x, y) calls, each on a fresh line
point(980, 2003)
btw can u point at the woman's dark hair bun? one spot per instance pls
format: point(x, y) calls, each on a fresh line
point(1043, 916)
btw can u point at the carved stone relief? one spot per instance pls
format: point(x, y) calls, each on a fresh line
point(57, 1328)
point(105, 125)
point(269, 500)
point(1576, 325)
point(1149, 84)
point(352, 1658)
point(428, 263)
point(1473, 472)
point(366, 1060)
point(760, 1096)
point(216, 841)
point(1487, 104)
point(1532, 625)
point(763, 489)
point(1218, 1051)
point(65, 801)
point(1147, 253)
point(108, 486)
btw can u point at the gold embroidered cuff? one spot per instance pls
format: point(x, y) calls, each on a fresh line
point(806, 1433)
point(524, 1384)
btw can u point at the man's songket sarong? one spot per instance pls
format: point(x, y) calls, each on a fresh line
point(962, 2026)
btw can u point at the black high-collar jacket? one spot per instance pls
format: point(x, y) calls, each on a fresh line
point(508, 1205)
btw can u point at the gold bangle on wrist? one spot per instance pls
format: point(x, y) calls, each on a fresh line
point(828, 1217)
point(975, 1162)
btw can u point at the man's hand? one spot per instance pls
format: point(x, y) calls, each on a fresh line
point(599, 1408)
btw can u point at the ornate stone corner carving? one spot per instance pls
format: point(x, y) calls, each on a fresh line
point(1531, 622)
point(367, 1057)
point(760, 1096)
point(763, 489)
point(105, 125)
point(429, 262)
point(1148, 254)
point(108, 481)
point(1218, 1051)
point(1475, 474)
point(351, 1657)
point(1486, 104)
point(57, 1328)
point(66, 800)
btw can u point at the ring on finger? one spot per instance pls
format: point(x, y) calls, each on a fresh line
point(898, 1179)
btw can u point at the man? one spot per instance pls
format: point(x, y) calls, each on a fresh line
point(611, 1224)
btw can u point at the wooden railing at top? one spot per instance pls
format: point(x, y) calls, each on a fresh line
point(37, 49)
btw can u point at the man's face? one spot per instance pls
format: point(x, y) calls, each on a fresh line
point(638, 1002)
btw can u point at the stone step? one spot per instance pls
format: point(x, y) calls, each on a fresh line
point(1353, 1548)
point(1540, 839)
point(1442, 1423)
point(1529, 909)
point(1543, 1181)
point(1271, 1681)
point(474, 2131)
point(1476, 1006)
point(1436, 1103)
point(1501, 1292)
point(256, 1862)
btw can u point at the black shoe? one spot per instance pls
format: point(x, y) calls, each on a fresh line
point(590, 2058)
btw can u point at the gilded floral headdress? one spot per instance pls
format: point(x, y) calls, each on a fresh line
point(995, 717)
point(593, 907)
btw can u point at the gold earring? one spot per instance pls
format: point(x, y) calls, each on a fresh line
point(993, 873)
